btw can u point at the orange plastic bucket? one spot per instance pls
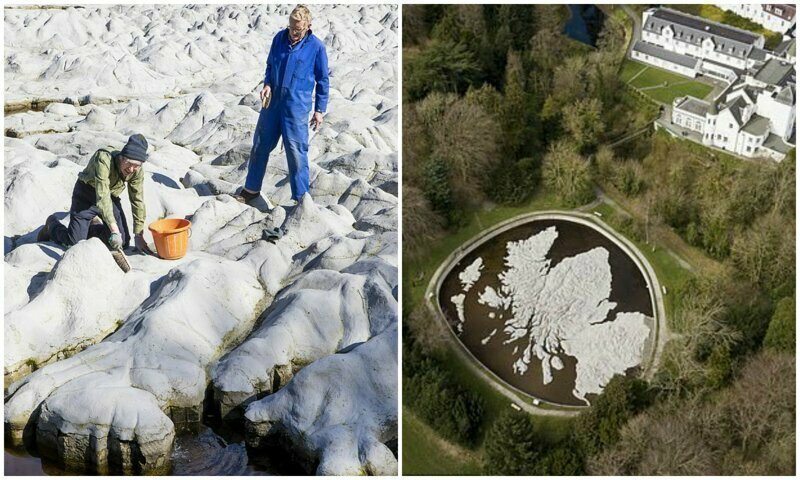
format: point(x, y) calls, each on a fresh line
point(171, 236)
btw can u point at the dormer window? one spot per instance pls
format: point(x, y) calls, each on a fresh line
point(778, 11)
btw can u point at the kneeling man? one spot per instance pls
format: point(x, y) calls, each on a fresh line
point(96, 194)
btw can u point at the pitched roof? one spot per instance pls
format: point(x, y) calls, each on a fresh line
point(758, 54)
point(787, 11)
point(690, 29)
point(736, 107)
point(658, 52)
point(694, 106)
point(786, 96)
point(786, 47)
point(774, 72)
point(757, 125)
point(775, 143)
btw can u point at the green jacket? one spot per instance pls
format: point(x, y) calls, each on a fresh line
point(103, 174)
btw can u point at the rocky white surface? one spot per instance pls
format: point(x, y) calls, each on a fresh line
point(187, 78)
point(471, 274)
point(458, 301)
point(349, 438)
point(562, 309)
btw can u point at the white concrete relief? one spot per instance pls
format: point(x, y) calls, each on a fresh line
point(561, 310)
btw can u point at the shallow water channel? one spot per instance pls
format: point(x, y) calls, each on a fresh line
point(211, 452)
point(628, 290)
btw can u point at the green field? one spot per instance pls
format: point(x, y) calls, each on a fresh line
point(425, 453)
point(661, 85)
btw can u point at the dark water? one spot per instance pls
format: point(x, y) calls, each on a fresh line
point(208, 453)
point(584, 23)
point(628, 290)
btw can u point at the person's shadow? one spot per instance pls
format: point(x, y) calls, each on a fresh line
point(164, 180)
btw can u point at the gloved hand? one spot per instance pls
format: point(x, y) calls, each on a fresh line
point(115, 241)
point(141, 244)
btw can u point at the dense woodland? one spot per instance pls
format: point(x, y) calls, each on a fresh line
point(500, 107)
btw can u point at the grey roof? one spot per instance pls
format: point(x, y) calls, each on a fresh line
point(786, 47)
point(787, 10)
point(774, 72)
point(694, 106)
point(786, 96)
point(758, 54)
point(658, 52)
point(690, 29)
point(738, 71)
point(757, 125)
point(749, 90)
point(775, 143)
point(736, 106)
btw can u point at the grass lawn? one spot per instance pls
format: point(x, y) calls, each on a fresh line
point(661, 85)
point(629, 69)
point(425, 453)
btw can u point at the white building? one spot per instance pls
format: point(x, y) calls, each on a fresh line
point(754, 118)
point(755, 114)
point(692, 45)
point(775, 17)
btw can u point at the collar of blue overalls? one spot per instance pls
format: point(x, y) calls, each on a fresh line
point(299, 42)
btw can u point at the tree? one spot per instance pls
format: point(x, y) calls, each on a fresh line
point(511, 446)
point(436, 186)
point(747, 429)
point(781, 333)
point(430, 334)
point(467, 139)
point(487, 97)
point(567, 174)
point(420, 223)
point(599, 427)
point(561, 461)
point(439, 66)
point(764, 254)
point(606, 163)
point(571, 82)
point(582, 120)
point(515, 118)
point(415, 25)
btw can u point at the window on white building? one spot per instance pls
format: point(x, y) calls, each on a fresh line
point(748, 149)
point(730, 125)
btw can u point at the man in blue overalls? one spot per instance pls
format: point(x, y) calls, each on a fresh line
point(296, 61)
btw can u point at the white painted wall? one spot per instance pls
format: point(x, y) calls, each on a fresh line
point(781, 116)
point(756, 13)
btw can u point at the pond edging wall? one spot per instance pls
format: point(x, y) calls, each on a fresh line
point(648, 365)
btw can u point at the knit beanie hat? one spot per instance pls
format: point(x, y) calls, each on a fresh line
point(136, 148)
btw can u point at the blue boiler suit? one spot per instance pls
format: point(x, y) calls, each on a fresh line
point(291, 72)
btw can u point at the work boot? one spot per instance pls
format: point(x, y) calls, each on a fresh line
point(246, 197)
point(44, 233)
